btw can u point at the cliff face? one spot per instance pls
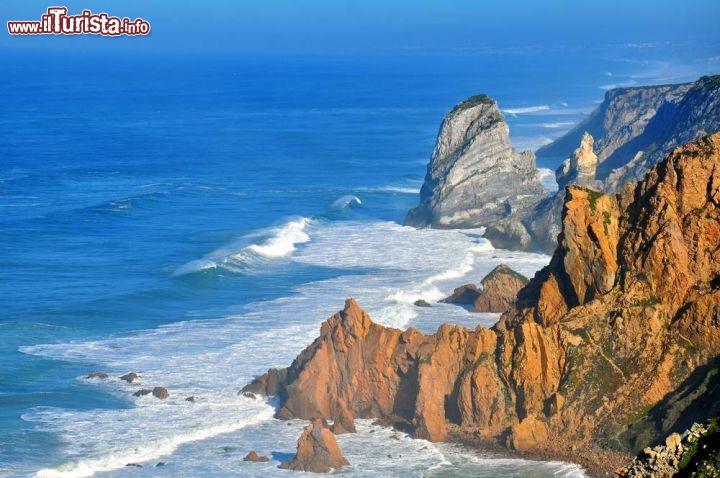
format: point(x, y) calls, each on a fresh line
point(605, 336)
point(622, 116)
point(635, 128)
point(475, 177)
point(676, 123)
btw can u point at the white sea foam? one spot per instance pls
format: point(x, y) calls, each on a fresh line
point(557, 125)
point(212, 359)
point(400, 189)
point(547, 176)
point(526, 110)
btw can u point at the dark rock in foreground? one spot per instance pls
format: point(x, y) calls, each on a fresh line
point(694, 454)
point(131, 377)
point(160, 392)
point(317, 451)
point(100, 375)
point(422, 303)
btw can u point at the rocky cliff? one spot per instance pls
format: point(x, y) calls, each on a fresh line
point(623, 325)
point(635, 128)
point(632, 130)
point(475, 177)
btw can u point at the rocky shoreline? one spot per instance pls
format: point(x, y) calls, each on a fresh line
point(596, 461)
point(603, 337)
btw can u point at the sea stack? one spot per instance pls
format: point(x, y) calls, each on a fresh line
point(475, 177)
point(317, 450)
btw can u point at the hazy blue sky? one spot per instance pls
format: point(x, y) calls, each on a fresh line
point(371, 25)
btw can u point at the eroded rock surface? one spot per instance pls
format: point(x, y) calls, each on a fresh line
point(317, 451)
point(612, 330)
point(475, 177)
point(499, 290)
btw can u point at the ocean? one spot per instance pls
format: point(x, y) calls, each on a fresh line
point(194, 219)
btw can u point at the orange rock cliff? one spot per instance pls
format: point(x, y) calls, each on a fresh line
point(619, 329)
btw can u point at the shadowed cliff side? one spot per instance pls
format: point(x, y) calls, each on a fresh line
point(627, 310)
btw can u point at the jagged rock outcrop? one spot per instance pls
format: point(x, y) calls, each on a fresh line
point(317, 451)
point(499, 289)
point(620, 321)
point(343, 422)
point(497, 293)
point(376, 371)
point(475, 177)
point(580, 168)
point(131, 377)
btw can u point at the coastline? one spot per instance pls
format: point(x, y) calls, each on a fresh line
point(568, 368)
point(597, 462)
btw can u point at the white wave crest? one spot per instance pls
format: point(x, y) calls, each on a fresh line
point(279, 242)
point(151, 450)
point(346, 201)
point(284, 240)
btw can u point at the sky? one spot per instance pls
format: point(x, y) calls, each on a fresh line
point(336, 26)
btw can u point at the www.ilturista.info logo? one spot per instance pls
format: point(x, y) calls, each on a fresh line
point(57, 22)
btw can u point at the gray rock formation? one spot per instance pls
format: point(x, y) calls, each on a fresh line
point(635, 128)
point(475, 178)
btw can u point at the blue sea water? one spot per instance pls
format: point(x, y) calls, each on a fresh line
point(194, 219)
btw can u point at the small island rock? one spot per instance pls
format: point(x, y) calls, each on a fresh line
point(317, 451)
